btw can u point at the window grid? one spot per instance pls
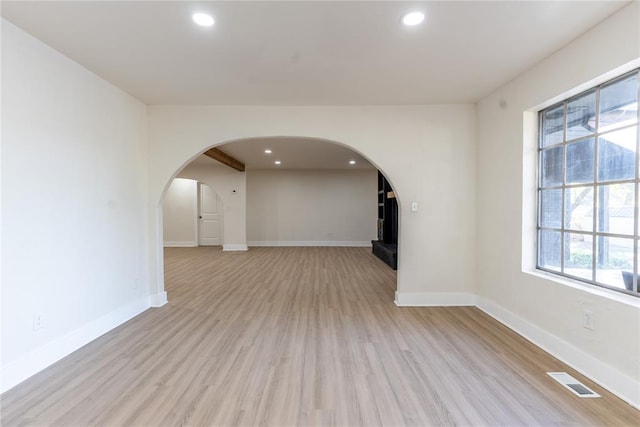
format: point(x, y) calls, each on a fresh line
point(599, 186)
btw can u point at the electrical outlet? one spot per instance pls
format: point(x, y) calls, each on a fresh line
point(38, 322)
point(587, 319)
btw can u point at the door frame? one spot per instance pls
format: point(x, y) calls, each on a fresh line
point(220, 213)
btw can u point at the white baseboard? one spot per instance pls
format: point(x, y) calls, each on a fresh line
point(158, 300)
point(235, 248)
point(33, 362)
point(435, 299)
point(324, 243)
point(176, 244)
point(623, 386)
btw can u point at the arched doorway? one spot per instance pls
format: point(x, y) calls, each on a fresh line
point(237, 189)
point(425, 152)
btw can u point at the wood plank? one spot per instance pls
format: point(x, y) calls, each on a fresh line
point(225, 159)
point(303, 336)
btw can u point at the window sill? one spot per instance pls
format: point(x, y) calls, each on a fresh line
point(590, 289)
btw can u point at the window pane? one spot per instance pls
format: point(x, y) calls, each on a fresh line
point(578, 208)
point(589, 185)
point(615, 206)
point(551, 208)
point(613, 257)
point(549, 251)
point(552, 126)
point(580, 114)
point(578, 255)
point(580, 157)
point(617, 155)
point(619, 103)
point(552, 166)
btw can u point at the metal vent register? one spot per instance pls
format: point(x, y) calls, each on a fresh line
point(573, 385)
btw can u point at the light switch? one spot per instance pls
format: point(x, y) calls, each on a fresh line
point(414, 206)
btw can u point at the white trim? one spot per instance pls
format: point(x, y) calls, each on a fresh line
point(625, 387)
point(235, 248)
point(598, 291)
point(177, 244)
point(35, 361)
point(618, 383)
point(196, 217)
point(434, 299)
point(323, 243)
point(158, 300)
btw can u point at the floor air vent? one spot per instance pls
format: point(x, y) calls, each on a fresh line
point(575, 386)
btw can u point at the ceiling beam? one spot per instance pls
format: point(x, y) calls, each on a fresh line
point(225, 159)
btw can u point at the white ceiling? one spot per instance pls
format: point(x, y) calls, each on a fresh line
point(294, 153)
point(306, 53)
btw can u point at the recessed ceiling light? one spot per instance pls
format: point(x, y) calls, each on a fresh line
point(352, 162)
point(413, 18)
point(277, 162)
point(203, 19)
point(267, 151)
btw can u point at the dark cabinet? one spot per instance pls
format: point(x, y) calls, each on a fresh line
point(386, 247)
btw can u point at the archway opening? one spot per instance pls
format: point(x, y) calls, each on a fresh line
point(297, 192)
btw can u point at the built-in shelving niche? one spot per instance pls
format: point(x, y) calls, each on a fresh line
point(386, 247)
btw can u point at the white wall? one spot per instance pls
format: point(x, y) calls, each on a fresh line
point(427, 152)
point(74, 199)
point(312, 207)
point(230, 186)
point(548, 312)
point(180, 213)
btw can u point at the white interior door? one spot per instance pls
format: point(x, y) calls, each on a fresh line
point(209, 216)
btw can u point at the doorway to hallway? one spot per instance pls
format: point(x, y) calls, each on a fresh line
point(192, 215)
point(209, 217)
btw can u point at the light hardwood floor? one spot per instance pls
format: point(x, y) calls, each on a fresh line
point(303, 336)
